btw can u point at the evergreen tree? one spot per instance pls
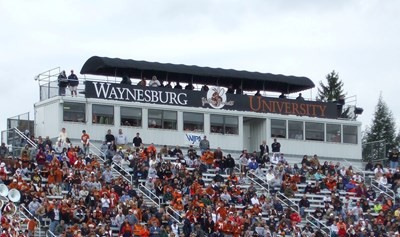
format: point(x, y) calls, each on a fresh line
point(398, 139)
point(383, 129)
point(333, 90)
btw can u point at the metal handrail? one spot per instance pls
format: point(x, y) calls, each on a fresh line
point(291, 202)
point(385, 192)
point(51, 233)
point(91, 145)
point(126, 172)
point(174, 212)
point(315, 225)
point(28, 140)
point(150, 194)
point(358, 170)
point(260, 178)
point(36, 219)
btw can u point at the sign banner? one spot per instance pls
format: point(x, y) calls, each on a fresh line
point(215, 98)
point(193, 139)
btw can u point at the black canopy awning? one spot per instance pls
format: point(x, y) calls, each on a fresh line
point(250, 81)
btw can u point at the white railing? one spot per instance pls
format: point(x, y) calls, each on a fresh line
point(252, 176)
point(313, 222)
point(149, 194)
point(385, 192)
point(175, 215)
point(50, 234)
point(28, 140)
point(292, 205)
point(31, 216)
point(102, 156)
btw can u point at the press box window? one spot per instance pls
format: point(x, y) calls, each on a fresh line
point(103, 114)
point(193, 122)
point(224, 124)
point(315, 131)
point(278, 128)
point(131, 116)
point(74, 112)
point(296, 130)
point(333, 133)
point(350, 134)
point(162, 119)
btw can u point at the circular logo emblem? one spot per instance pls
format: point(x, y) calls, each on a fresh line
point(216, 97)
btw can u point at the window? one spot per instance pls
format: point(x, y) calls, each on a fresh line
point(333, 133)
point(315, 131)
point(162, 119)
point(278, 128)
point(193, 122)
point(350, 134)
point(74, 112)
point(224, 124)
point(295, 130)
point(131, 116)
point(103, 114)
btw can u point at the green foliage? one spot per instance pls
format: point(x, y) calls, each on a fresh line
point(333, 90)
point(383, 128)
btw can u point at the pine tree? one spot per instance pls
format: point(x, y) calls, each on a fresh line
point(333, 90)
point(383, 129)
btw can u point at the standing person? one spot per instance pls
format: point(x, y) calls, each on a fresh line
point(264, 149)
point(276, 148)
point(62, 83)
point(229, 164)
point(55, 217)
point(85, 142)
point(121, 139)
point(300, 97)
point(137, 141)
point(3, 150)
point(394, 158)
point(204, 144)
point(109, 137)
point(63, 136)
point(73, 83)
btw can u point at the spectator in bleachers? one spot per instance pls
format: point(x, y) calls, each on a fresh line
point(394, 158)
point(275, 147)
point(204, 144)
point(154, 82)
point(121, 140)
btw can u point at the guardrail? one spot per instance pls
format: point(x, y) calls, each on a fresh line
point(102, 156)
point(51, 234)
point(149, 194)
point(385, 192)
point(292, 205)
point(261, 184)
point(175, 215)
point(32, 216)
point(313, 222)
point(354, 167)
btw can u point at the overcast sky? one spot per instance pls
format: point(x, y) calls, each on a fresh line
point(359, 39)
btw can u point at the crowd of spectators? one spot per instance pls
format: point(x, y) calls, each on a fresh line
point(74, 193)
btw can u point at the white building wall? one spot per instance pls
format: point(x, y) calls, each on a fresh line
point(49, 121)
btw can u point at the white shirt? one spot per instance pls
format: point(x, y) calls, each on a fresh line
point(121, 139)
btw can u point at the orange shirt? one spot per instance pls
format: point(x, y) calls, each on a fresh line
point(85, 138)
